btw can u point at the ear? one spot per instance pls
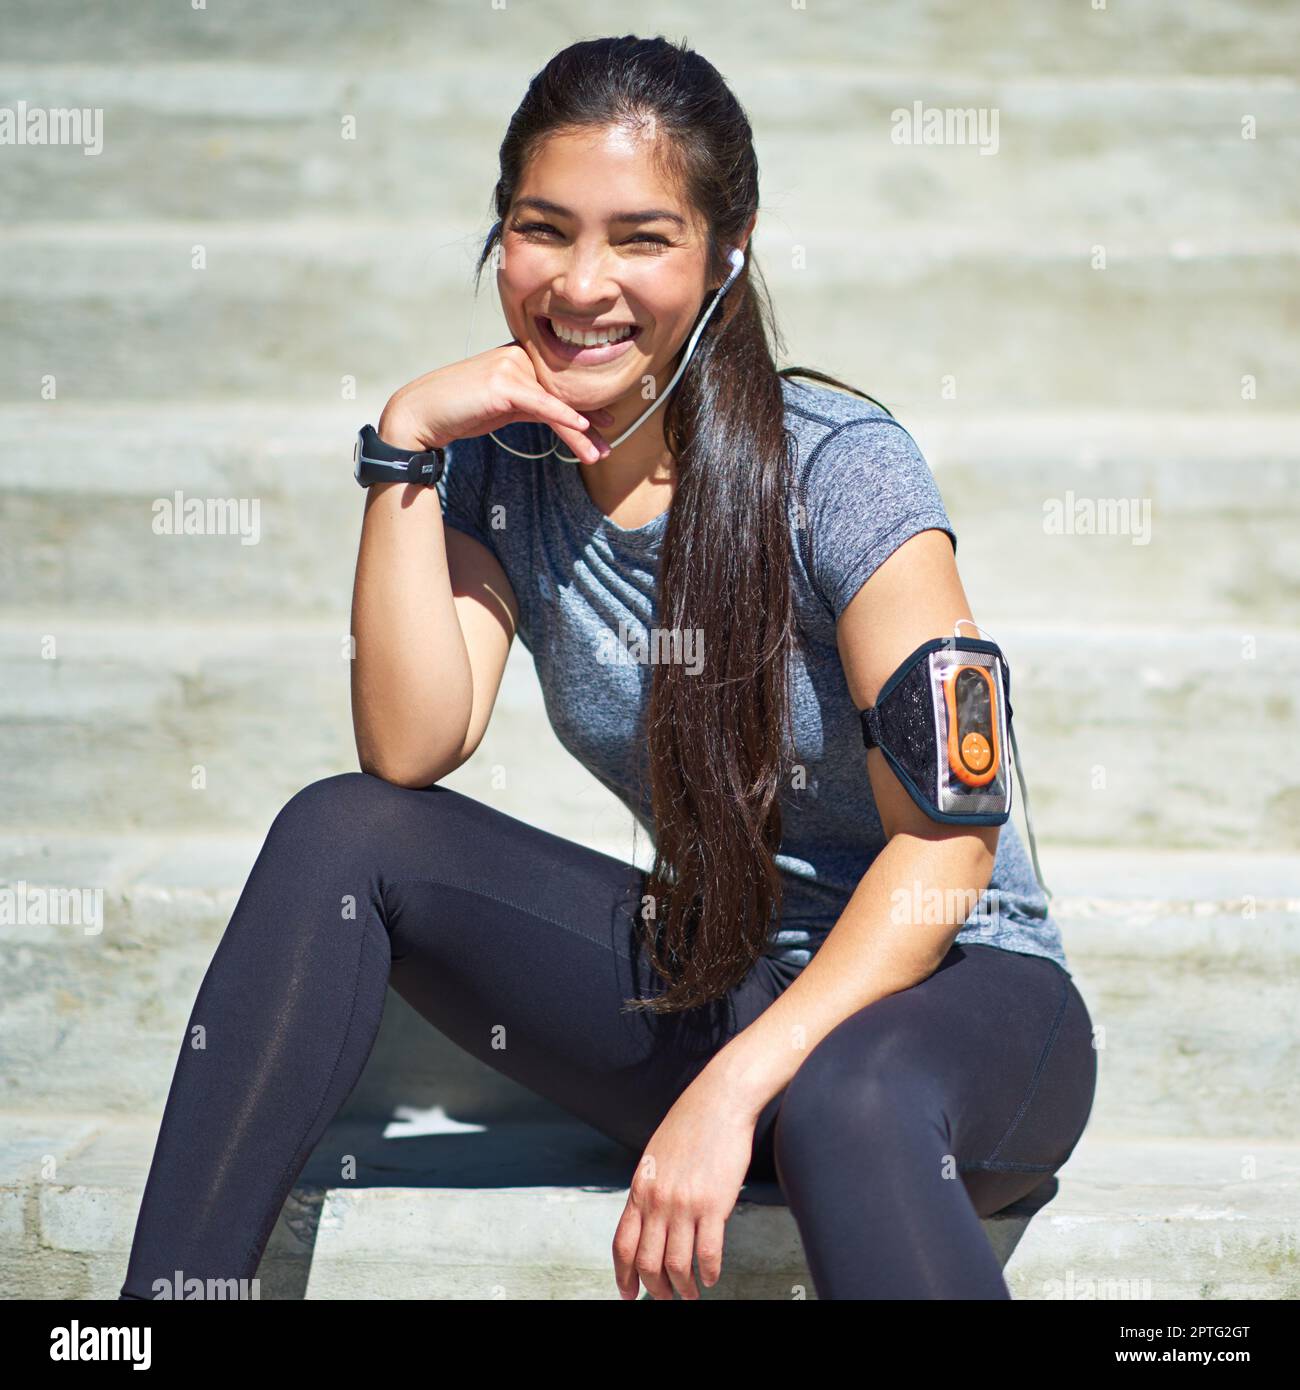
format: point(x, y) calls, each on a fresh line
point(742, 244)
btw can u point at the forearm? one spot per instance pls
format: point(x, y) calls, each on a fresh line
point(895, 930)
point(412, 686)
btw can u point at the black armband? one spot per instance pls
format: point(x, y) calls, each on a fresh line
point(942, 721)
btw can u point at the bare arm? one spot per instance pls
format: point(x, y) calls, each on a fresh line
point(876, 949)
point(433, 616)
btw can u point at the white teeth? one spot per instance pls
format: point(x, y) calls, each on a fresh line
point(607, 335)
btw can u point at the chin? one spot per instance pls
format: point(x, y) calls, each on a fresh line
point(587, 395)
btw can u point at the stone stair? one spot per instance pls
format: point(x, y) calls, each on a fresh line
point(1186, 1184)
point(1157, 667)
point(521, 1210)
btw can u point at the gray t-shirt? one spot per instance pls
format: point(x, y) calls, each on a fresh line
point(586, 590)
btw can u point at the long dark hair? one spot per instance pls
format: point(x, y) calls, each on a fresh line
point(719, 739)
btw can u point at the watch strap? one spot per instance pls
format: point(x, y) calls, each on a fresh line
point(377, 461)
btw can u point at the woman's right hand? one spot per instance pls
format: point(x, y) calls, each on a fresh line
point(482, 393)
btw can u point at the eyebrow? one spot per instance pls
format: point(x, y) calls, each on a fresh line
point(644, 215)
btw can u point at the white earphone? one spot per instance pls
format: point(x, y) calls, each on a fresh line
point(737, 259)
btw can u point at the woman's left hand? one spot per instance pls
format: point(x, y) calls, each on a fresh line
point(685, 1188)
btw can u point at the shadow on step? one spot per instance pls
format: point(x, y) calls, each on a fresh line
point(426, 1116)
point(429, 1150)
point(360, 1153)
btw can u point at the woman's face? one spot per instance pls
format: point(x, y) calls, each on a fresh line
point(573, 258)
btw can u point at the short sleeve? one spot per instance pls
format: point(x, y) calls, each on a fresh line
point(868, 489)
point(463, 488)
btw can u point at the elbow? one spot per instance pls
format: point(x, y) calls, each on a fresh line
point(407, 756)
point(411, 772)
point(409, 751)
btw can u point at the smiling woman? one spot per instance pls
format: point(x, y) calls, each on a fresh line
point(778, 995)
point(556, 277)
point(639, 224)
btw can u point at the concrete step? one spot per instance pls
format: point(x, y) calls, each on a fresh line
point(1167, 1219)
point(1204, 508)
point(302, 309)
point(264, 140)
point(811, 46)
point(261, 709)
point(113, 727)
point(442, 1210)
point(1211, 504)
point(1189, 963)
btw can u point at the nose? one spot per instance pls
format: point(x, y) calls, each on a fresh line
point(582, 279)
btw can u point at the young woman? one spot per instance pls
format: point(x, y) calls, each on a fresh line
point(711, 599)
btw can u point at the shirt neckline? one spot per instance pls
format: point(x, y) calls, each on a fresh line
point(590, 516)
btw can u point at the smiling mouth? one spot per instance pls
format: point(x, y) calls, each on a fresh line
point(599, 337)
point(603, 349)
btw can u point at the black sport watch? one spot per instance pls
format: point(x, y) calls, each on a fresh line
point(377, 462)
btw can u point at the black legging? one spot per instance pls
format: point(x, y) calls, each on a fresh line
point(916, 1116)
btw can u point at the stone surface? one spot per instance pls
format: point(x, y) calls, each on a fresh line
point(1157, 665)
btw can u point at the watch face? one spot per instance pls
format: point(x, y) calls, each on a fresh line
point(356, 459)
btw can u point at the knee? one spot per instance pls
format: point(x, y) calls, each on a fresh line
point(327, 797)
point(356, 818)
point(339, 811)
